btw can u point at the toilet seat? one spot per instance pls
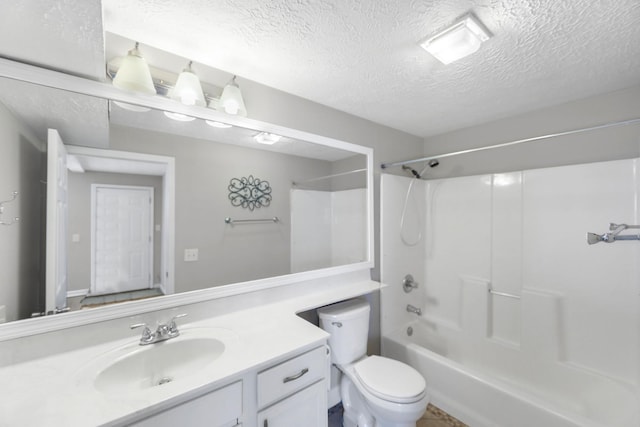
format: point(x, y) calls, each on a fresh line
point(390, 379)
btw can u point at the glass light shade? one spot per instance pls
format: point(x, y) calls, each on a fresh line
point(231, 99)
point(134, 74)
point(178, 117)
point(218, 125)
point(188, 89)
point(456, 42)
point(267, 138)
point(131, 107)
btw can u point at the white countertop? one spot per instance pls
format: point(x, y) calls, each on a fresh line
point(58, 390)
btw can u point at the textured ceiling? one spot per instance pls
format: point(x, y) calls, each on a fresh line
point(65, 35)
point(362, 56)
point(80, 119)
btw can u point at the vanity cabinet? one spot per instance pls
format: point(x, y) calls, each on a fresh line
point(219, 408)
point(287, 394)
point(294, 393)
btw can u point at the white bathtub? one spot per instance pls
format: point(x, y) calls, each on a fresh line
point(486, 384)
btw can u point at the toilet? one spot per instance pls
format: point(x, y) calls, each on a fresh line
point(375, 391)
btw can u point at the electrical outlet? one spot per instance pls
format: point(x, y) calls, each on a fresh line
point(191, 255)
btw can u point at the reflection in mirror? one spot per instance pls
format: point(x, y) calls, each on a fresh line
point(147, 202)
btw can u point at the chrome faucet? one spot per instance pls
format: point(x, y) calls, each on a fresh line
point(163, 332)
point(412, 309)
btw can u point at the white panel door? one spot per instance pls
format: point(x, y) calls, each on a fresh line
point(122, 238)
point(56, 257)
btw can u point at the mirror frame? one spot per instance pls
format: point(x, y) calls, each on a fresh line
point(58, 80)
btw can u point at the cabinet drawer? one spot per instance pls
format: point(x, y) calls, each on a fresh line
point(294, 374)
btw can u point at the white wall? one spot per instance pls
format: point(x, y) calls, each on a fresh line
point(21, 250)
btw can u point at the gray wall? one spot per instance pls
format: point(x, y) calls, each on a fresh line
point(22, 167)
point(79, 273)
point(600, 145)
point(227, 254)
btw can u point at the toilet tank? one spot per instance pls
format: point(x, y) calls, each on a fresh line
point(348, 324)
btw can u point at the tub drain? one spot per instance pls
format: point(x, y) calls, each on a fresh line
point(165, 380)
point(409, 331)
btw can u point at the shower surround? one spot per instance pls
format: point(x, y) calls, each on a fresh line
point(522, 321)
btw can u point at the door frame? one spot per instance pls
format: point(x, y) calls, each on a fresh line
point(94, 235)
point(165, 169)
point(56, 274)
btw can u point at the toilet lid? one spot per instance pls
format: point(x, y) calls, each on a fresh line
point(389, 379)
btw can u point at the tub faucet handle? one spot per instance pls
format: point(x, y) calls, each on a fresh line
point(408, 283)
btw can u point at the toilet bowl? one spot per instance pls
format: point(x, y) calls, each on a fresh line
point(375, 391)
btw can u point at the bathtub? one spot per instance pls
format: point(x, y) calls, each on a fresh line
point(489, 384)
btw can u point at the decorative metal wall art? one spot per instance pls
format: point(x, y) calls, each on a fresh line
point(249, 192)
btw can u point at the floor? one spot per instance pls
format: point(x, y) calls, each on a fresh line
point(436, 417)
point(433, 417)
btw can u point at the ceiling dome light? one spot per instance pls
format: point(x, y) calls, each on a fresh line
point(460, 40)
point(188, 89)
point(231, 101)
point(134, 74)
point(267, 138)
point(218, 125)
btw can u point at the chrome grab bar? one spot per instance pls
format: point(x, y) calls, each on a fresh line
point(614, 235)
point(231, 221)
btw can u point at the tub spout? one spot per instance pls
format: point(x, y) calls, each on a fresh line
point(412, 309)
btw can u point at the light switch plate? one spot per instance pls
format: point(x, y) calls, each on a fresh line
point(191, 255)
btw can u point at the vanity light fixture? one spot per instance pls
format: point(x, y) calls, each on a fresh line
point(134, 74)
point(188, 89)
point(460, 40)
point(218, 125)
point(267, 138)
point(231, 101)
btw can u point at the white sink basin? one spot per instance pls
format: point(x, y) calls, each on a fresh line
point(134, 368)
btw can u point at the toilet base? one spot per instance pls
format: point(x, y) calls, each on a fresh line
point(358, 413)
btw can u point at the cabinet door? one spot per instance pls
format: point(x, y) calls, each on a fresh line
point(308, 408)
point(220, 408)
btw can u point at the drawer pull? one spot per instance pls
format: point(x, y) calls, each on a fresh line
point(296, 376)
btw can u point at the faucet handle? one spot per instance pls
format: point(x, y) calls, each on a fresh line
point(173, 327)
point(147, 336)
point(408, 283)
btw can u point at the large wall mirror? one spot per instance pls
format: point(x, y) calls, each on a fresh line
point(149, 203)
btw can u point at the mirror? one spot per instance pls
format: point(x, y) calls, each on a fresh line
point(221, 208)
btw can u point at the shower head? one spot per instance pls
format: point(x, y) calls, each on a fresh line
point(410, 169)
